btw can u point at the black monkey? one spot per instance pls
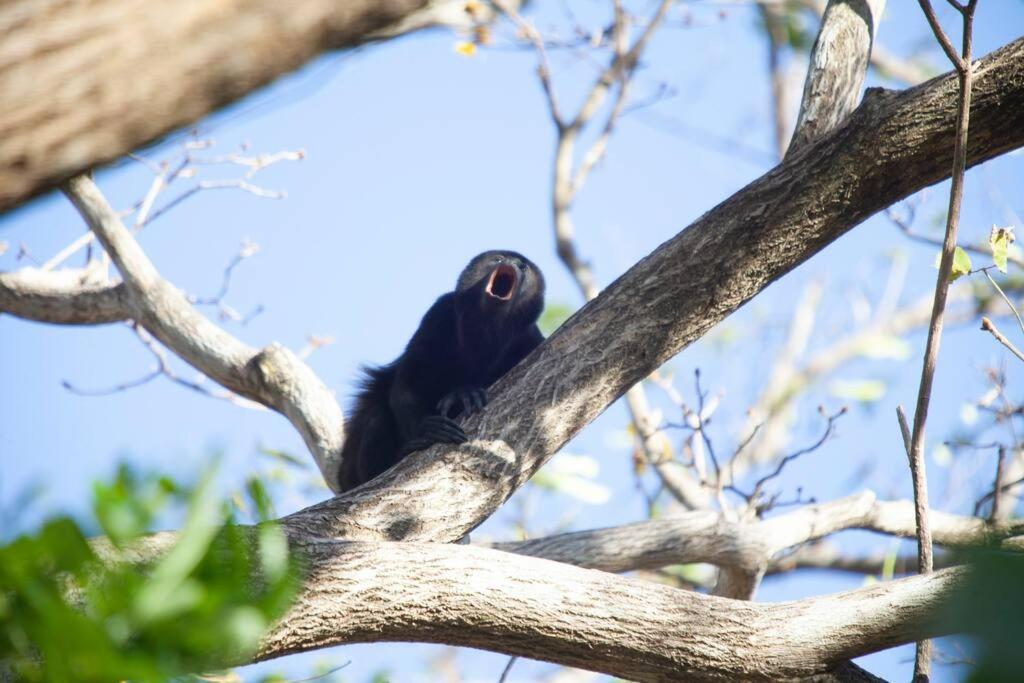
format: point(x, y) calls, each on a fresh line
point(467, 340)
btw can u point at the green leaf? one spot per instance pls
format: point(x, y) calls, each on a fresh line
point(573, 475)
point(860, 390)
point(887, 346)
point(961, 264)
point(283, 456)
point(553, 317)
point(260, 498)
point(999, 239)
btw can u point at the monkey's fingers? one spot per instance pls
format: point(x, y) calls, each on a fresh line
point(445, 405)
point(477, 400)
point(466, 402)
point(441, 429)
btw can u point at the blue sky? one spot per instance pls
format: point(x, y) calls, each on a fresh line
point(416, 159)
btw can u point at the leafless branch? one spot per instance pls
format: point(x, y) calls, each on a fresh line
point(272, 376)
point(829, 429)
point(990, 327)
point(838, 63)
point(964, 68)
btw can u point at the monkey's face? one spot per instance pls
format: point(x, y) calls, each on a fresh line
point(505, 284)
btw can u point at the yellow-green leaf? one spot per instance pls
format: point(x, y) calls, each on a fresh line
point(961, 263)
point(860, 390)
point(999, 239)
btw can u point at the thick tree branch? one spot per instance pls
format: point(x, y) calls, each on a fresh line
point(84, 83)
point(892, 146)
point(273, 376)
point(461, 595)
point(530, 606)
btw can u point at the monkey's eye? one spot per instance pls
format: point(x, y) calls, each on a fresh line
point(497, 259)
point(522, 267)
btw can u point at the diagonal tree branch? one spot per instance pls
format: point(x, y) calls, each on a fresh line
point(273, 376)
point(892, 146)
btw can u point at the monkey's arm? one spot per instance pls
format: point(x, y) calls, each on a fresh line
point(424, 375)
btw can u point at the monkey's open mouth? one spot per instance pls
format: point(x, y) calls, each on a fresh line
point(502, 282)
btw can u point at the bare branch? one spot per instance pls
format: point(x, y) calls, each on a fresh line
point(66, 297)
point(990, 327)
point(707, 536)
point(839, 61)
point(273, 376)
point(915, 453)
point(888, 149)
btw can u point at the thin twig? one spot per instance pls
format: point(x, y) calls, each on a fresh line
point(1006, 299)
point(507, 669)
point(904, 225)
point(997, 493)
point(989, 327)
point(829, 429)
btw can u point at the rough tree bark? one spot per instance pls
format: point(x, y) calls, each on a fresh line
point(84, 83)
point(839, 61)
point(640, 631)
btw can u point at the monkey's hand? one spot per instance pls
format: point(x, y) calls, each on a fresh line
point(465, 401)
point(434, 429)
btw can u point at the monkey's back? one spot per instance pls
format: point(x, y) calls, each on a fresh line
point(371, 435)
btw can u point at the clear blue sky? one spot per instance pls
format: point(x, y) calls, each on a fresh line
point(418, 158)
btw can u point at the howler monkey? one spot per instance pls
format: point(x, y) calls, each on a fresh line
point(468, 339)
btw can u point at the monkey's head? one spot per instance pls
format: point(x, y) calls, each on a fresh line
point(502, 285)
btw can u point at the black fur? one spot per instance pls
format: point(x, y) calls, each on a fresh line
point(468, 339)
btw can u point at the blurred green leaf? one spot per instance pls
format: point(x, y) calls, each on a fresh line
point(990, 607)
point(860, 390)
point(283, 456)
point(553, 317)
point(885, 346)
point(65, 614)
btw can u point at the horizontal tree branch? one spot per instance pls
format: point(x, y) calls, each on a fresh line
point(84, 83)
point(474, 597)
point(892, 146)
point(71, 296)
point(707, 537)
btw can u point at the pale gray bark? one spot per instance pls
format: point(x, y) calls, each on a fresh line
point(461, 595)
point(707, 537)
point(70, 296)
point(839, 61)
point(273, 376)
